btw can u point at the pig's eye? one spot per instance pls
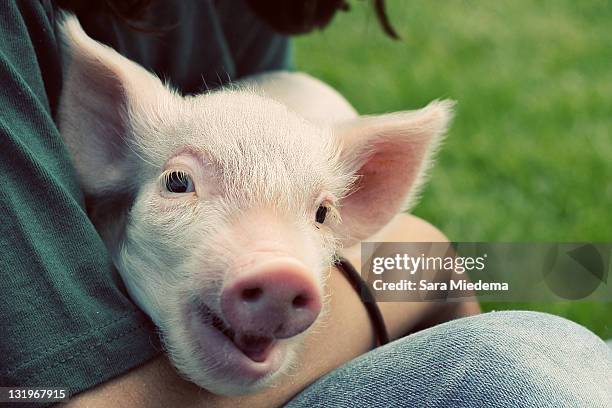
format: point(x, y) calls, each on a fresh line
point(321, 213)
point(327, 212)
point(179, 182)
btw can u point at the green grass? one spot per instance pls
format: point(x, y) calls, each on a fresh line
point(529, 156)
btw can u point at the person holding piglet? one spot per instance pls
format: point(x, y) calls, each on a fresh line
point(52, 246)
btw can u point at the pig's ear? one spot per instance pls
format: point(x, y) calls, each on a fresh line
point(101, 90)
point(389, 155)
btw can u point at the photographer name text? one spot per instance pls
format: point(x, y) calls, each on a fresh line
point(410, 265)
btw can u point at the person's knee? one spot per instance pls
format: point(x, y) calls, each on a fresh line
point(497, 359)
point(521, 332)
point(535, 357)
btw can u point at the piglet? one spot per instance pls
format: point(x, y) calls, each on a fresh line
point(223, 211)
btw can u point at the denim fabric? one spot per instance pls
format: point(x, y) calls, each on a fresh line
point(498, 359)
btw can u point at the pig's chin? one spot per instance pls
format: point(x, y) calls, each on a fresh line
point(233, 368)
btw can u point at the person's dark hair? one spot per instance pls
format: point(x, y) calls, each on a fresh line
point(303, 16)
point(128, 10)
point(284, 16)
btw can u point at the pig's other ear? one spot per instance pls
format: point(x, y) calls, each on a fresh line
point(101, 90)
point(389, 155)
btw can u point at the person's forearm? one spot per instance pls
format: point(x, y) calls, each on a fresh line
point(343, 334)
point(403, 318)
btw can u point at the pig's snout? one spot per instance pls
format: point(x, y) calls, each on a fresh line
point(279, 300)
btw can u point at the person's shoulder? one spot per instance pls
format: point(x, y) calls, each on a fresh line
point(29, 10)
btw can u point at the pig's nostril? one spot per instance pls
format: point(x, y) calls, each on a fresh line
point(251, 294)
point(300, 301)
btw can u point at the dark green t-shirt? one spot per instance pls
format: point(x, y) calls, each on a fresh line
point(65, 317)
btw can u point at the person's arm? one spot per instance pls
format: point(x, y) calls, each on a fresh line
point(403, 318)
point(344, 334)
point(65, 319)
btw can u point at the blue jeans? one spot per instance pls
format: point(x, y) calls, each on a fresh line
point(498, 359)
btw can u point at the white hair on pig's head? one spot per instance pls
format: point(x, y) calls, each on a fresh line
point(223, 211)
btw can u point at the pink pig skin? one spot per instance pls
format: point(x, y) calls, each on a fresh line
point(223, 211)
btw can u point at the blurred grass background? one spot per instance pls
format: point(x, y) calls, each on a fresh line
point(529, 155)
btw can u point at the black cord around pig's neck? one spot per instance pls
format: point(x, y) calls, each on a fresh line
point(366, 296)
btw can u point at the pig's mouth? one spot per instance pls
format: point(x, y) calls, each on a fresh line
point(255, 347)
point(215, 321)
